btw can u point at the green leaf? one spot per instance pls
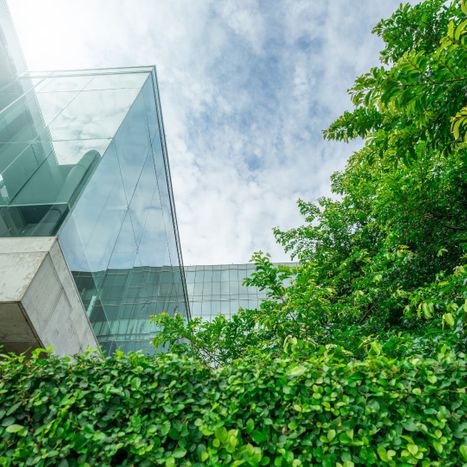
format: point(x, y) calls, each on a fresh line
point(413, 449)
point(165, 427)
point(136, 383)
point(221, 434)
point(21, 430)
point(463, 451)
point(179, 453)
point(250, 425)
point(451, 26)
point(8, 421)
point(383, 453)
point(448, 318)
point(296, 371)
point(438, 447)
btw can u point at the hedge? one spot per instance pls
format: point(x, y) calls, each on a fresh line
point(170, 410)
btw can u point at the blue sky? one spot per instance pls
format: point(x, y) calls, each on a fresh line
point(246, 88)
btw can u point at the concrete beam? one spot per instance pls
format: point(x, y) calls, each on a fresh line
point(39, 303)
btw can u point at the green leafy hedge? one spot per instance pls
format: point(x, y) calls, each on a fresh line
point(172, 410)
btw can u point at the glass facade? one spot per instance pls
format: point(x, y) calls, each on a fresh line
point(83, 157)
point(218, 290)
point(11, 57)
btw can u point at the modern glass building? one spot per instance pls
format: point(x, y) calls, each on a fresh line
point(83, 158)
point(218, 289)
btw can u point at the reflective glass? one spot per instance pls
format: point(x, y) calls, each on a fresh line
point(132, 143)
point(125, 225)
point(66, 83)
point(118, 81)
point(209, 296)
point(51, 139)
point(52, 104)
point(79, 119)
point(82, 154)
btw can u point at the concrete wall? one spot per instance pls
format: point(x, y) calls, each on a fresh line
point(39, 302)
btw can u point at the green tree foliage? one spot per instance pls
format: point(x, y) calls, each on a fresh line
point(171, 410)
point(384, 257)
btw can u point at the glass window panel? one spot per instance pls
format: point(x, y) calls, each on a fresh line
point(153, 249)
point(165, 276)
point(139, 206)
point(233, 275)
point(199, 276)
point(9, 152)
point(225, 307)
point(21, 121)
point(20, 170)
point(98, 214)
point(225, 288)
point(132, 142)
point(163, 186)
point(198, 289)
point(215, 308)
point(64, 83)
point(196, 309)
point(124, 252)
point(12, 90)
point(151, 112)
point(206, 309)
point(207, 289)
point(92, 114)
point(190, 276)
point(72, 151)
point(118, 81)
point(216, 275)
point(191, 288)
point(207, 275)
point(243, 304)
point(52, 104)
point(52, 184)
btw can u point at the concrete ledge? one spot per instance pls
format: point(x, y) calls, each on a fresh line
point(39, 302)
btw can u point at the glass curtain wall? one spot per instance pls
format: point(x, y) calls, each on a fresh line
point(11, 58)
point(83, 156)
point(52, 137)
point(217, 289)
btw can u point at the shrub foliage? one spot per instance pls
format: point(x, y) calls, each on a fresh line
point(171, 410)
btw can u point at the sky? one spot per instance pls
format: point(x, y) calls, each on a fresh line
point(246, 87)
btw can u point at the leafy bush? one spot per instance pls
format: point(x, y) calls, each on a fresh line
point(170, 410)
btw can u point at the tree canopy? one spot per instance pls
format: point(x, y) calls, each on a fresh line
point(383, 259)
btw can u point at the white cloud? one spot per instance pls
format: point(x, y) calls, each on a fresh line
point(246, 88)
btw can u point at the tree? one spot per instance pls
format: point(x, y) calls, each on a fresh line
point(385, 255)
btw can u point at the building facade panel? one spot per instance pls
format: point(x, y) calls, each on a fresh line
point(121, 252)
point(218, 290)
point(83, 158)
